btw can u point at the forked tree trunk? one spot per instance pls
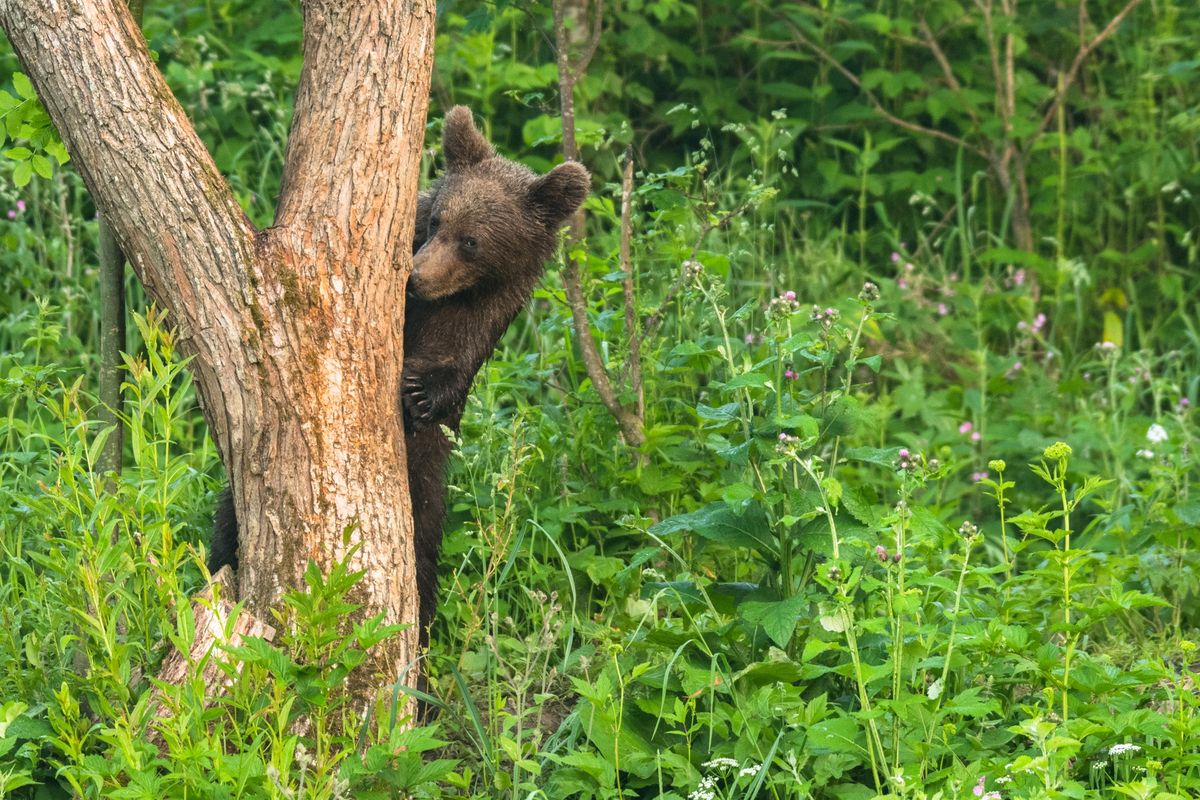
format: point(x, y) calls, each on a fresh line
point(295, 330)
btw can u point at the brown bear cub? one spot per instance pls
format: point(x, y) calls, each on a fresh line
point(484, 232)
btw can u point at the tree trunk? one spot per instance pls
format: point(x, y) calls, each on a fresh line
point(295, 330)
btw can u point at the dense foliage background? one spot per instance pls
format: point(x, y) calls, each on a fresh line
point(914, 515)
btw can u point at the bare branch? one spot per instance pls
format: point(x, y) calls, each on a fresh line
point(825, 56)
point(1084, 51)
point(631, 330)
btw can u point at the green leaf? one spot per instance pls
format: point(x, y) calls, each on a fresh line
point(837, 735)
point(41, 165)
point(24, 86)
point(18, 153)
point(777, 619)
point(718, 522)
point(22, 174)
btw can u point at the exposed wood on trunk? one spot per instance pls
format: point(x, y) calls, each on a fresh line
point(212, 610)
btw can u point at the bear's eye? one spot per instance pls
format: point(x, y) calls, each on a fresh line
point(469, 243)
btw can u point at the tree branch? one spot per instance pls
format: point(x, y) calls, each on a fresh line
point(631, 328)
point(914, 127)
point(939, 55)
point(1085, 50)
point(569, 71)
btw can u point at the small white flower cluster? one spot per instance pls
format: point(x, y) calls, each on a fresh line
point(1156, 434)
point(1123, 749)
point(707, 789)
point(721, 765)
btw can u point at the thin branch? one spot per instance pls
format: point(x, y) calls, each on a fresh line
point(631, 330)
point(899, 122)
point(569, 71)
point(1080, 57)
point(940, 56)
point(112, 326)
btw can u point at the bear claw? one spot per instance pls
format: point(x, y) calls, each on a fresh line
point(416, 402)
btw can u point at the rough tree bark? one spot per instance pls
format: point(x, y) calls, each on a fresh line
point(295, 330)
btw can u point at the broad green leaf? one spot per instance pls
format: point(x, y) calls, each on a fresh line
point(777, 619)
point(718, 522)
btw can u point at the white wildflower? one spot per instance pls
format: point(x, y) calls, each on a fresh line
point(1156, 434)
point(1123, 748)
point(721, 764)
point(706, 790)
point(1144, 453)
point(750, 771)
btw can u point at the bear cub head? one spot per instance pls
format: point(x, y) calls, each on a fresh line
point(488, 223)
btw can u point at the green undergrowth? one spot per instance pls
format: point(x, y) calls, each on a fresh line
point(915, 513)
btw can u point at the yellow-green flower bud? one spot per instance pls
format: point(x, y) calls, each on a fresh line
point(1057, 450)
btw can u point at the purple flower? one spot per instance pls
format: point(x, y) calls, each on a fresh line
point(789, 295)
point(943, 309)
point(790, 374)
point(1019, 277)
point(895, 257)
point(881, 553)
point(20, 205)
point(903, 284)
point(903, 452)
point(12, 214)
point(908, 267)
point(1039, 322)
point(1183, 404)
point(976, 436)
point(965, 427)
point(982, 475)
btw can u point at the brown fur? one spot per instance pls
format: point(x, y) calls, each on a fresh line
point(484, 231)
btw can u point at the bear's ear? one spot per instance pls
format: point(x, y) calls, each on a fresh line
point(555, 195)
point(462, 143)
